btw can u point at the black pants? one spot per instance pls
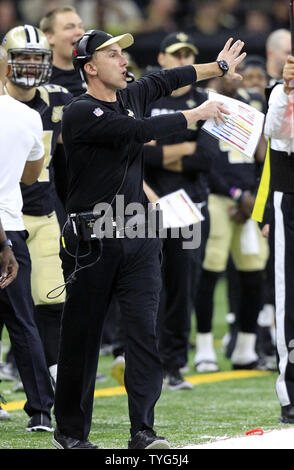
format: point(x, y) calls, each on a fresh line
point(17, 313)
point(181, 272)
point(131, 269)
point(178, 270)
point(284, 293)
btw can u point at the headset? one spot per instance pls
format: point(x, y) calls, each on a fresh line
point(80, 55)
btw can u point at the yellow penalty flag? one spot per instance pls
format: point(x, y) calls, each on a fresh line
point(263, 189)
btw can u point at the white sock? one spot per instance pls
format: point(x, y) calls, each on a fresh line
point(266, 317)
point(244, 351)
point(204, 348)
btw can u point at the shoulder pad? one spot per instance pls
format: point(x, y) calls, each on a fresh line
point(51, 88)
point(44, 94)
point(244, 93)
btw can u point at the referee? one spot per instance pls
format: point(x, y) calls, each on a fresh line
point(279, 128)
point(103, 133)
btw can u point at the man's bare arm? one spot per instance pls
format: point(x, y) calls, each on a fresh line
point(173, 153)
point(151, 195)
point(32, 171)
point(177, 166)
point(231, 54)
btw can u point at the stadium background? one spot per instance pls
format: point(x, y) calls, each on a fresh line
point(209, 21)
point(212, 409)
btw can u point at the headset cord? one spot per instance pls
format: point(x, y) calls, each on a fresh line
point(72, 277)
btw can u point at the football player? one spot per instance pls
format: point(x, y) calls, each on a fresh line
point(63, 28)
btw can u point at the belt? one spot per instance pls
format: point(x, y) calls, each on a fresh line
point(84, 225)
point(137, 221)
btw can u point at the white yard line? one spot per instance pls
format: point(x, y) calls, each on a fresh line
point(276, 439)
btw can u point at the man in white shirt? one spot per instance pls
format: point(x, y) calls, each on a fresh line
point(279, 127)
point(21, 159)
point(278, 47)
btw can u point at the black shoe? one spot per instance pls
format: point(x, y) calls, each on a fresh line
point(247, 366)
point(147, 439)
point(40, 422)
point(287, 414)
point(264, 342)
point(261, 364)
point(174, 381)
point(64, 442)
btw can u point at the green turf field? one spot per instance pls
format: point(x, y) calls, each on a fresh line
point(213, 409)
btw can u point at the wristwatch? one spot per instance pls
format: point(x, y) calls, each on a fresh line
point(5, 243)
point(236, 194)
point(224, 66)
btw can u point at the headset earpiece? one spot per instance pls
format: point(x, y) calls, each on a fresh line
point(80, 55)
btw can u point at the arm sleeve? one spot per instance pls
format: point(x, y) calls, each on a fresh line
point(115, 129)
point(163, 83)
point(36, 126)
point(217, 184)
point(201, 160)
point(153, 156)
point(60, 172)
point(197, 162)
point(279, 118)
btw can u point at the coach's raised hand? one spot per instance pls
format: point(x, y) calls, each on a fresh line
point(231, 54)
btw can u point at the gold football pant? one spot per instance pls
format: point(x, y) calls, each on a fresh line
point(43, 244)
point(225, 238)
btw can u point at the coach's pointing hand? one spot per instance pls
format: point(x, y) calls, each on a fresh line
point(207, 110)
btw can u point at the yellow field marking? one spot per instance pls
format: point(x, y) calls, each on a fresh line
point(229, 375)
point(195, 379)
point(14, 405)
point(109, 392)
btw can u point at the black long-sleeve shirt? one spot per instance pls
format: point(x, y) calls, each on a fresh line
point(100, 137)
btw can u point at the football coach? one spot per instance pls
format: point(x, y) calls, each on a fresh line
point(104, 131)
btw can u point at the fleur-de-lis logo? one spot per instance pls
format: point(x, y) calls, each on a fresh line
point(182, 37)
point(191, 103)
point(56, 113)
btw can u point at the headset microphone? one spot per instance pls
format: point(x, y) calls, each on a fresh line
point(130, 77)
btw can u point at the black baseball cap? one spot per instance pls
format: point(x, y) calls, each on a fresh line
point(175, 41)
point(254, 61)
point(102, 39)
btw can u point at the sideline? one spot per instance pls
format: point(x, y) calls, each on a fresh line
point(273, 439)
point(195, 379)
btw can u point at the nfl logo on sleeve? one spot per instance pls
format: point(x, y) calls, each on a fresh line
point(98, 112)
